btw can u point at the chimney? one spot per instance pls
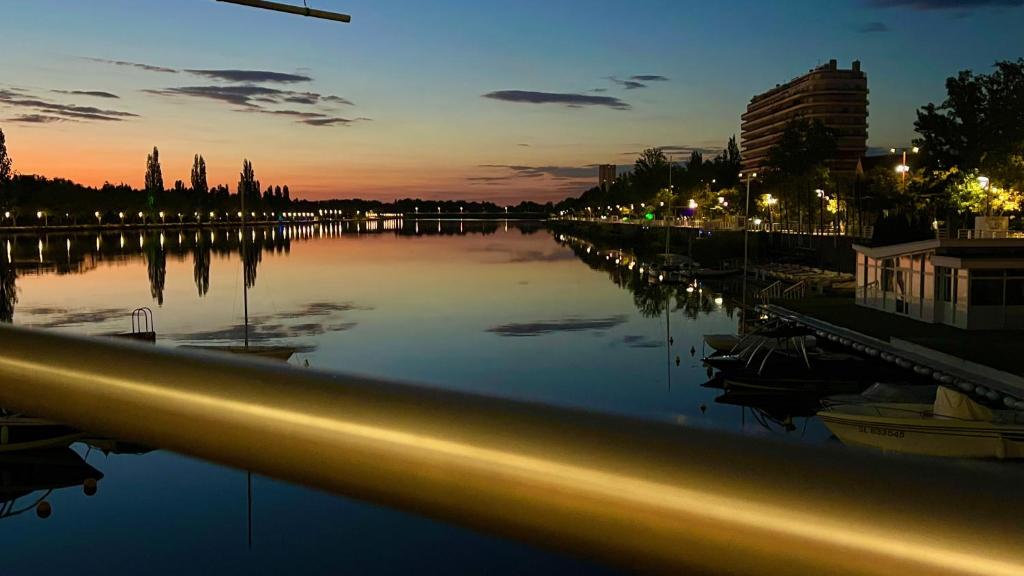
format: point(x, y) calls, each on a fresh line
point(833, 64)
point(856, 65)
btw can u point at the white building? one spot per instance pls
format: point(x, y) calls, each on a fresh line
point(975, 281)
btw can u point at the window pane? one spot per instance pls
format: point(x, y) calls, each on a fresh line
point(1015, 292)
point(986, 292)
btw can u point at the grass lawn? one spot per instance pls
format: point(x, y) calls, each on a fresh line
point(1000, 349)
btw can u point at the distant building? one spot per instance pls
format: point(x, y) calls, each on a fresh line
point(606, 174)
point(974, 280)
point(838, 98)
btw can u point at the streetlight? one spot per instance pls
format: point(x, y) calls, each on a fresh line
point(162, 219)
point(44, 217)
point(121, 216)
point(821, 211)
point(903, 168)
point(986, 185)
point(142, 217)
point(99, 217)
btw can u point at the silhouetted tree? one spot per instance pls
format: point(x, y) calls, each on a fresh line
point(287, 195)
point(156, 261)
point(247, 185)
point(201, 266)
point(6, 170)
point(199, 185)
point(154, 178)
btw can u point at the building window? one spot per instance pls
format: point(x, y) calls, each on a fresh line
point(887, 274)
point(986, 292)
point(943, 284)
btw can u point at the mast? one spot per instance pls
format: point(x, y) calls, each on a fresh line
point(245, 270)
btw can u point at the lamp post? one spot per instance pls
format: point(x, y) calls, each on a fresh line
point(142, 217)
point(903, 167)
point(746, 242)
point(7, 215)
point(44, 217)
point(99, 218)
point(821, 210)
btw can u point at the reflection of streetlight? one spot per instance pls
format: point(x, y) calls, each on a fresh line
point(746, 240)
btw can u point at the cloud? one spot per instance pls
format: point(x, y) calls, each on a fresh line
point(251, 98)
point(36, 119)
point(649, 78)
point(96, 93)
point(146, 67)
point(257, 76)
point(517, 256)
point(557, 172)
point(569, 100)
point(15, 98)
point(628, 84)
point(529, 329)
point(944, 4)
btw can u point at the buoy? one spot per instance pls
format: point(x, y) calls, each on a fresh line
point(873, 352)
point(992, 395)
point(981, 390)
point(1009, 401)
point(922, 370)
point(43, 509)
point(89, 486)
point(671, 341)
point(677, 360)
point(693, 351)
point(904, 363)
point(703, 408)
point(844, 341)
point(965, 386)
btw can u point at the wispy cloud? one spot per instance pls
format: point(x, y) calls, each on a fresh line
point(649, 78)
point(18, 98)
point(36, 119)
point(146, 67)
point(944, 4)
point(95, 93)
point(566, 99)
point(628, 84)
point(251, 98)
point(256, 76)
point(556, 172)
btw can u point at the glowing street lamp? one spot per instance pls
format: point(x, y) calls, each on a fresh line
point(121, 216)
point(986, 185)
point(162, 219)
point(99, 217)
point(142, 217)
point(43, 216)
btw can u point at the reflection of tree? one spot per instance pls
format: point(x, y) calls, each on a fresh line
point(252, 256)
point(156, 261)
point(201, 266)
point(8, 290)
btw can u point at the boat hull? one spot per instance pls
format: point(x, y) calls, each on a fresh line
point(927, 436)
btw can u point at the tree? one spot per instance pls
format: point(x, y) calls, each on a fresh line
point(798, 165)
point(287, 195)
point(978, 129)
point(154, 178)
point(247, 186)
point(199, 184)
point(6, 171)
point(969, 194)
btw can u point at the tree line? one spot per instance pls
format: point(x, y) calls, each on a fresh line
point(966, 160)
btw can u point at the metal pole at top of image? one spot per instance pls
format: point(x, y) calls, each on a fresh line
point(290, 9)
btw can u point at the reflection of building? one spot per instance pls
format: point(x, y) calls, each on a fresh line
point(975, 281)
point(838, 98)
point(606, 174)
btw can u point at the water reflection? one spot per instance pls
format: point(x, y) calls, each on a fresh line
point(28, 478)
point(81, 252)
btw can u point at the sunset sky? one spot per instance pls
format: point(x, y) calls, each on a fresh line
point(483, 100)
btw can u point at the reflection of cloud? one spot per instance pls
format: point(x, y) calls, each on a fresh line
point(943, 4)
point(872, 27)
point(261, 332)
point(635, 341)
point(570, 100)
point(517, 256)
point(61, 317)
point(518, 330)
point(251, 76)
point(317, 309)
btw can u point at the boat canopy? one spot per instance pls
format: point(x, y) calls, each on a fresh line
point(951, 403)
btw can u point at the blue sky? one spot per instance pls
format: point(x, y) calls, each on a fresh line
point(416, 73)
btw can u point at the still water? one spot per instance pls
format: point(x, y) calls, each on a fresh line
point(501, 308)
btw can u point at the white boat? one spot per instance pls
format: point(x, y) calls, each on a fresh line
point(954, 425)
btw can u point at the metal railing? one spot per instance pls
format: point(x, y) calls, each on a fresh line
point(647, 496)
point(976, 234)
point(773, 290)
point(798, 290)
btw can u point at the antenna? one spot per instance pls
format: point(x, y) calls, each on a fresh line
point(291, 9)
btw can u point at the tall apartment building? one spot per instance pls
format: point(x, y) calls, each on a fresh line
point(606, 174)
point(839, 98)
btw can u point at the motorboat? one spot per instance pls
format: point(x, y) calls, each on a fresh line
point(887, 392)
point(19, 432)
point(953, 425)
